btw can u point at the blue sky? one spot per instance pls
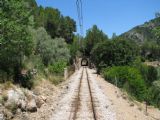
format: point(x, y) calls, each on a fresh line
point(109, 15)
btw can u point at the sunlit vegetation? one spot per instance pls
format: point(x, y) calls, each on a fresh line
point(121, 60)
point(34, 40)
point(37, 40)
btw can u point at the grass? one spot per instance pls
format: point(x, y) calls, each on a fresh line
point(3, 98)
point(7, 85)
point(56, 79)
point(53, 78)
point(13, 108)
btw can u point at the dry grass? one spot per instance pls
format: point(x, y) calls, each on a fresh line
point(7, 85)
point(56, 79)
point(13, 108)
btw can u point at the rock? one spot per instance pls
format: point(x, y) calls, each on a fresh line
point(2, 117)
point(118, 96)
point(8, 115)
point(44, 98)
point(14, 96)
point(30, 95)
point(139, 108)
point(107, 106)
point(22, 105)
point(25, 116)
point(132, 104)
point(18, 111)
point(31, 106)
point(39, 102)
point(124, 96)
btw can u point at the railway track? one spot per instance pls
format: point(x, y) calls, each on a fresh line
point(83, 100)
point(83, 104)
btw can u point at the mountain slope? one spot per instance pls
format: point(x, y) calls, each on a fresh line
point(143, 32)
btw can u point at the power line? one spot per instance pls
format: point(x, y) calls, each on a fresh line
point(80, 15)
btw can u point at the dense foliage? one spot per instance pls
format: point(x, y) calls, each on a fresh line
point(116, 52)
point(56, 24)
point(121, 60)
point(76, 46)
point(139, 80)
point(150, 51)
point(147, 36)
point(50, 50)
point(15, 41)
point(33, 38)
point(155, 93)
point(58, 67)
point(93, 36)
point(128, 78)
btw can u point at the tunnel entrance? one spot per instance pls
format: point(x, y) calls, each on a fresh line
point(84, 62)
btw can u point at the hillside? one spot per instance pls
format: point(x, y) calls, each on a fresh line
point(143, 32)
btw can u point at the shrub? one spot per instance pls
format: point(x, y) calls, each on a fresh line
point(128, 78)
point(3, 98)
point(50, 50)
point(34, 62)
point(152, 74)
point(58, 67)
point(13, 108)
point(155, 94)
point(26, 80)
point(149, 73)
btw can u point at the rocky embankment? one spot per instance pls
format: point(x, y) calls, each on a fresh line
point(16, 102)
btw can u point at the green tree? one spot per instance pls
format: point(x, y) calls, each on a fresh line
point(75, 47)
point(156, 31)
point(50, 50)
point(150, 51)
point(125, 51)
point(40, 19)
point(55, 23)
point(93, 37)
point(15, 40)
point(116, 52)
point(102, 55)
point(67, 27)
point(52, 21)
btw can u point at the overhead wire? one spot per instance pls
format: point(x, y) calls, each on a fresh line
point(80, 16)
